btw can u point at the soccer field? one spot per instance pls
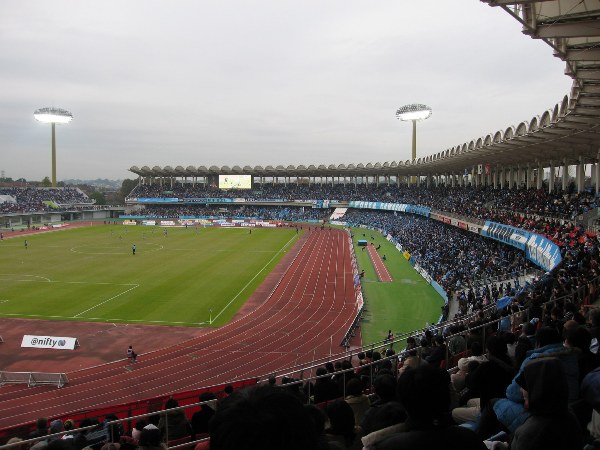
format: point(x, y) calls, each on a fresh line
point(406, 304)
point(188, 277)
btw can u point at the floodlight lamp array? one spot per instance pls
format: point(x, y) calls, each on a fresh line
point(53, 115)
point(413, 112)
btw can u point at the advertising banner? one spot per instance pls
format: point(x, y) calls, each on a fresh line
point(413, 209)
point(157, 200)
point(207, 200)
point(56, 343)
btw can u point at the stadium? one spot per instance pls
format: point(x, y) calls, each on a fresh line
point(225, 278)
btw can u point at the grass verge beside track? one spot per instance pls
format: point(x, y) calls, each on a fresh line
point(406, 304)
point(185, 278)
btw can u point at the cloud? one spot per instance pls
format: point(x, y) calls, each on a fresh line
point(258, 82)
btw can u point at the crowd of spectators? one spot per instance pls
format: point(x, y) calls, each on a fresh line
point(541, 395)
point(453, 257)
point(244, 211)
point(476, 202)
point(30, 200)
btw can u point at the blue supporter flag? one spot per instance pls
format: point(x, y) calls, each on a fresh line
point(503, 302)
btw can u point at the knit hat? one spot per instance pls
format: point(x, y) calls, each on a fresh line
point(56, 426)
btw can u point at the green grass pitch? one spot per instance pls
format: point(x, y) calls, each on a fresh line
point(406, 304)
point(188, 277)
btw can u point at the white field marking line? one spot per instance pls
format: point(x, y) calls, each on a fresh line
point(106, 301)
point(46, 280)
point(123, 322)
point(224, 251)
point(253, 278)
point(142, 321)
point(15, 275)
point(74, 250)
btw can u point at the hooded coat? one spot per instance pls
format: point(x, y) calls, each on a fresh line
point(550, 424)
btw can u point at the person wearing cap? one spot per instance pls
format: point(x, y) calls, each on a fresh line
point(545, 390)
point(56, 426)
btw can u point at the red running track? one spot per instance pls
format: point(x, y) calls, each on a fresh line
point(304, 318)
point(382, 272)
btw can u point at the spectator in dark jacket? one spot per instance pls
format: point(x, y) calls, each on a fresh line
point(201, 418)
point(425, 393)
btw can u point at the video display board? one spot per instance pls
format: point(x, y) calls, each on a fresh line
point(235, 181)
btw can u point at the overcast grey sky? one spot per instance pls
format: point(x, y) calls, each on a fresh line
point(258, 82)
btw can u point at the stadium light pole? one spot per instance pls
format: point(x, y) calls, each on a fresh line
point(414, 113)
point(53, 116)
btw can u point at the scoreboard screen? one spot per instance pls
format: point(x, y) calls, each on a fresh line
point(235, 181)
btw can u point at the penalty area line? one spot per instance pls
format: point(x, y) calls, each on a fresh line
point(253, 278)
point(106, 301)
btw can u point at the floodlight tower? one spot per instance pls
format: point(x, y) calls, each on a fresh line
point(53, 116)
point(414, 113)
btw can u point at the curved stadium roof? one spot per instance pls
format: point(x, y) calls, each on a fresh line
point(567, 131)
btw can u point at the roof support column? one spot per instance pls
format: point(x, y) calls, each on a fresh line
point(581, 182)
point(540, 176)
point(528, 172)
point(512, 178)
point(551, 178)
point(598, 173)
point(565, 175)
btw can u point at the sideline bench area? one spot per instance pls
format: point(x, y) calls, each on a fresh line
point(33, 378)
